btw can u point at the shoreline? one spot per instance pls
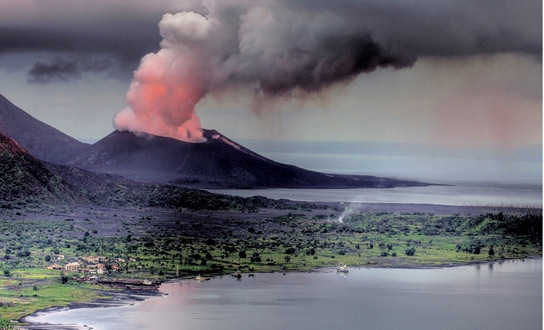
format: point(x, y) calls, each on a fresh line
point(129, 297)
point(118, 299)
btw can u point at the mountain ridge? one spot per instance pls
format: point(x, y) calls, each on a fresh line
point(40, 139)
point(26, 179)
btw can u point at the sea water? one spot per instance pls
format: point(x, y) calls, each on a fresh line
point(465, 194)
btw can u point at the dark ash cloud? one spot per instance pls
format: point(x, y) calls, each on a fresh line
point(287, 46)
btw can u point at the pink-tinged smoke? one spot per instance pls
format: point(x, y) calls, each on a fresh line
point(168, 84)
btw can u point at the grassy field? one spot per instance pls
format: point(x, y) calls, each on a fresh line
point(170, 243)
point(17, 303)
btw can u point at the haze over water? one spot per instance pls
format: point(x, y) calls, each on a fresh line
point(474, 194)
point(477, 176)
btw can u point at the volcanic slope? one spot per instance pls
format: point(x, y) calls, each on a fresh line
point(25, 178)
point(41, 140)
point(217, 163)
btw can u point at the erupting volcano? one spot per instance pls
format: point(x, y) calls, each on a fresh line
point(168, 84)
point(219, 162)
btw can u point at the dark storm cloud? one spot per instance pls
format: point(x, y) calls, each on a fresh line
point(58, 69)
point(66, 68)
point(281, 44)
point(126, 42)
point(124, 31)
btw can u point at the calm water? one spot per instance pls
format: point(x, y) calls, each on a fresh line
point(498, 296)
point(483, 194)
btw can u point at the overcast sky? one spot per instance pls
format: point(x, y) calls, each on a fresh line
point(455, 73)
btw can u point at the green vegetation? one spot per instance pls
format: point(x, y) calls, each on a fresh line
point(286, 242)
point(25, 299)
point(167, 243)
point(27, 290)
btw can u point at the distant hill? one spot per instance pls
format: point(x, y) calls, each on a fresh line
point(217, 163)
point(24, 178)
point(40, 139)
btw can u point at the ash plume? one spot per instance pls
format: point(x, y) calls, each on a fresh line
point(298, 48)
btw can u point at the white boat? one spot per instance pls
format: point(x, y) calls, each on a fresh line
point(342, 269)
point(202, 279)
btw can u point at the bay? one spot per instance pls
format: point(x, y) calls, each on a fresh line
point(500, 295)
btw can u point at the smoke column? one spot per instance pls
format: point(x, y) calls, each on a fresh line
point(292, 49)
point(250, 48)
point(168, 84)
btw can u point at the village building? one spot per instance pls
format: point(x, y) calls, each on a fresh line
point(73, 266)
point(93, 259)
point(100, 268)
point(59, 256)
point(93, 269)
point(54, 267)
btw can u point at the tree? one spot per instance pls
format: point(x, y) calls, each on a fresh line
point(256, 257)
point(242, 254)
point(491, 252)
point(47, 258)
point(410, 251)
